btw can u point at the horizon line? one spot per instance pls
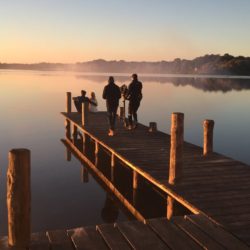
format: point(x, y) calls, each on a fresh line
point(122, 60)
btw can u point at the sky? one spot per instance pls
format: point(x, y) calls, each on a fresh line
point(70, 31)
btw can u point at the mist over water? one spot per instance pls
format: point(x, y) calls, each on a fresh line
point(30, 107)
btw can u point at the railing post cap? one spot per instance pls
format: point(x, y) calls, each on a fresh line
point(208, 121)
point(19, 151)
point(179, 114)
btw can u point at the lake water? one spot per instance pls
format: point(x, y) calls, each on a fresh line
point(30, 107)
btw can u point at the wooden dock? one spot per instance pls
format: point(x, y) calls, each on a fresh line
point(189, 232)
point(215, 186)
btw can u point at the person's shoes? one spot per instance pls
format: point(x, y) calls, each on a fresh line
point(130, 127)
point(125, 124)
point(111, 132)
point(135, 125)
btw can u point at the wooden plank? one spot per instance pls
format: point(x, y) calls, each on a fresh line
point(59, 240)
point(172, 235)
point(211, 196)
point(200, 173)
point(243, 234)
point(39, 241)
point(230, 219)
point(4, 245)
point(222, 197)
point(140, 236)
point(87, 238)
point(113, 237)
point(217, 232)
point(224, 204)
point(230, 211)
point(196, 234)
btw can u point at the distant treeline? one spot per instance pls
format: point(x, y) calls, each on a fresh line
point(206, 84)
point(208, 64)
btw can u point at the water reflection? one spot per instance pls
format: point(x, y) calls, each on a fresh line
point(30, 106)
point(84, 174)
point(206, 84)
point(110, 210)
point(143, 202)
point(214, 85)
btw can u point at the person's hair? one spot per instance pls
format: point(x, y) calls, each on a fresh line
point(92, 94)
point(134, 76)
point(83, 92)
point(111, 79)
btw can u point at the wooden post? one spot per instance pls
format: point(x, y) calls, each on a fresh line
point(96, 161)
point(68, 102)
point(19, 198)
point(67, 129)
point(112, 168)
point(122, 113)
point(84, 175)
point(152, 127)
point(85, 112)
point(68, 155)
point(170, 207)
point(208, 126)
point(135, 180)
point(96, 148)
point(177, 131)
point(85, 143)
point(135, 188)
point(74, 134)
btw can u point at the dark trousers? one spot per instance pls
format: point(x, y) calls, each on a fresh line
point(112, 116)
point(78, 106)
point(132, 111)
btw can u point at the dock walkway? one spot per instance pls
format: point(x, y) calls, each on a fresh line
point(216, 186)
point(189, 232)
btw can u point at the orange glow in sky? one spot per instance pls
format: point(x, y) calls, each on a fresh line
point(69, 32)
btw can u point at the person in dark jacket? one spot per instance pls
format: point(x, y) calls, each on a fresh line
point(111, 94)
point(134, 95)
point(79, 100)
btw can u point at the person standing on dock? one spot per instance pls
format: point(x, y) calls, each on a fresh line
point(78, 100)
point(134, 95)
point(112, 94)
point(93, 103)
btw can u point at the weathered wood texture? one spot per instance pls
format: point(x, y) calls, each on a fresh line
point(19, 198)
point(208, 127)
point(215, 185)
point(68, 102)
point(59, 240)
point(140, 236)
point(194, 232)
point(113, 237)
point(176, 148)
point(152, 127)
point(85, 112)
point(87, 238)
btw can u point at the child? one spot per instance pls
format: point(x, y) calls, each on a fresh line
point(93, 103)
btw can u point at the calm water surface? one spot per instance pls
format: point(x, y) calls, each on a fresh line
point(30, 104)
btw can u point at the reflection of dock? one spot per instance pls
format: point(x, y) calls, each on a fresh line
point(190, 232)
point(215, 186)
